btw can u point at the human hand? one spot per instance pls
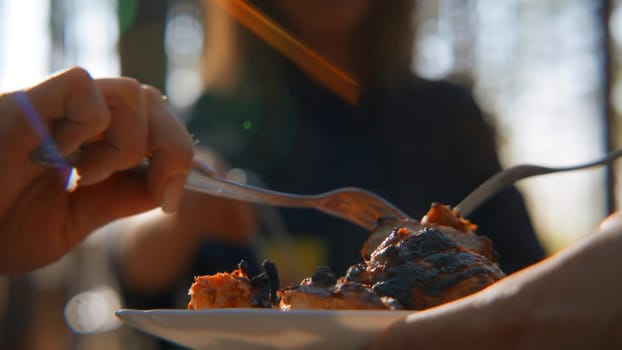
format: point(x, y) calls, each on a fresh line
point(569, 301)
point(39, 220)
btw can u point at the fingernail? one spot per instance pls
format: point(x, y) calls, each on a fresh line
point(93, 178)
point(172, 193)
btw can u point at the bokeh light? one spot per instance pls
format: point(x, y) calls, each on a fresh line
point(93, 311)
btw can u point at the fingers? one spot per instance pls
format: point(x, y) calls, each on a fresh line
point(71, 105)
point(114, 123)
point(125, 141)
point(171, 150)
point(164, 139)
point(141, 124)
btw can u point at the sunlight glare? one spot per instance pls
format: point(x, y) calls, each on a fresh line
point(24, 42)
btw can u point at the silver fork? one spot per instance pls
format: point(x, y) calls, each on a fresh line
point(510, 175)
point(353, 204)
point(362, 207)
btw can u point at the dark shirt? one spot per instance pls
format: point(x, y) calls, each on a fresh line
point(420, 142)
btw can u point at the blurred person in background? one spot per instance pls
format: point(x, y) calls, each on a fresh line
point(412, 141)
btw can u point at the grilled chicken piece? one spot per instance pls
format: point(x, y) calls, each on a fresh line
point(424, 268)
point(235, 289)
point(458, 229)
point(407, 265)
point(324, 291)
point(443, 215)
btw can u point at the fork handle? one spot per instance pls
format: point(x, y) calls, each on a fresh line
point(219, 187)
point(510, 175)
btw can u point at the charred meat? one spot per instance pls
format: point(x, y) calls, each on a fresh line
point(406, 265)
point(424, 268)
point(324, 291)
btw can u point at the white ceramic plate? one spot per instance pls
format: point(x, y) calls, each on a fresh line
point(262, 328)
